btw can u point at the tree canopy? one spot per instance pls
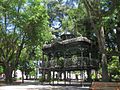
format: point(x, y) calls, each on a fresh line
point(23, 24)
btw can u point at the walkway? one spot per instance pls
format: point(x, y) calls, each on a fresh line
point(33, 85)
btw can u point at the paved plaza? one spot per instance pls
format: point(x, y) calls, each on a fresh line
point(33, 85)
point(42, 87)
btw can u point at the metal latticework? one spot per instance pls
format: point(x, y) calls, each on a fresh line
point(65, 56)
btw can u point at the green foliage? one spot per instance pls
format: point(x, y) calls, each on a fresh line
point(60, 62)
point(26, 63)
point(114, 68)
point(23, 25)
point(1, 69)
point(32, 73)
point(36, 25)
point(41, 79)
point(24, 28)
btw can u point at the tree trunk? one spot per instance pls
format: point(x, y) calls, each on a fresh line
point(22, 76)
point(27, 77)
point(89, 79)
point(104, 68)
point(118, 38)
point(8, 75)
point(101, 41)
point(43, 67)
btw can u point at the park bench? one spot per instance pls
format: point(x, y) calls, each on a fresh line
point(105, 86)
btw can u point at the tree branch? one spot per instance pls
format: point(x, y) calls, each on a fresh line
point(19, 50)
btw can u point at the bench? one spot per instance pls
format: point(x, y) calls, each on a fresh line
point(105, 86)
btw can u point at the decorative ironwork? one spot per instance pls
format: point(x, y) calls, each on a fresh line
point(72, 54)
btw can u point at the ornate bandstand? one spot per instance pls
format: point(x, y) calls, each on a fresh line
point(67, 55)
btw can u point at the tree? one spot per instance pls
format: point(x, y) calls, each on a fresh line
point(60, 13)
point(98, 10)
point(22, 23)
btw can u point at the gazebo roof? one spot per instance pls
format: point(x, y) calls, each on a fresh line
point(67, 42)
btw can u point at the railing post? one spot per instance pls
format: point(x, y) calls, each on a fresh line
point(90, 59)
